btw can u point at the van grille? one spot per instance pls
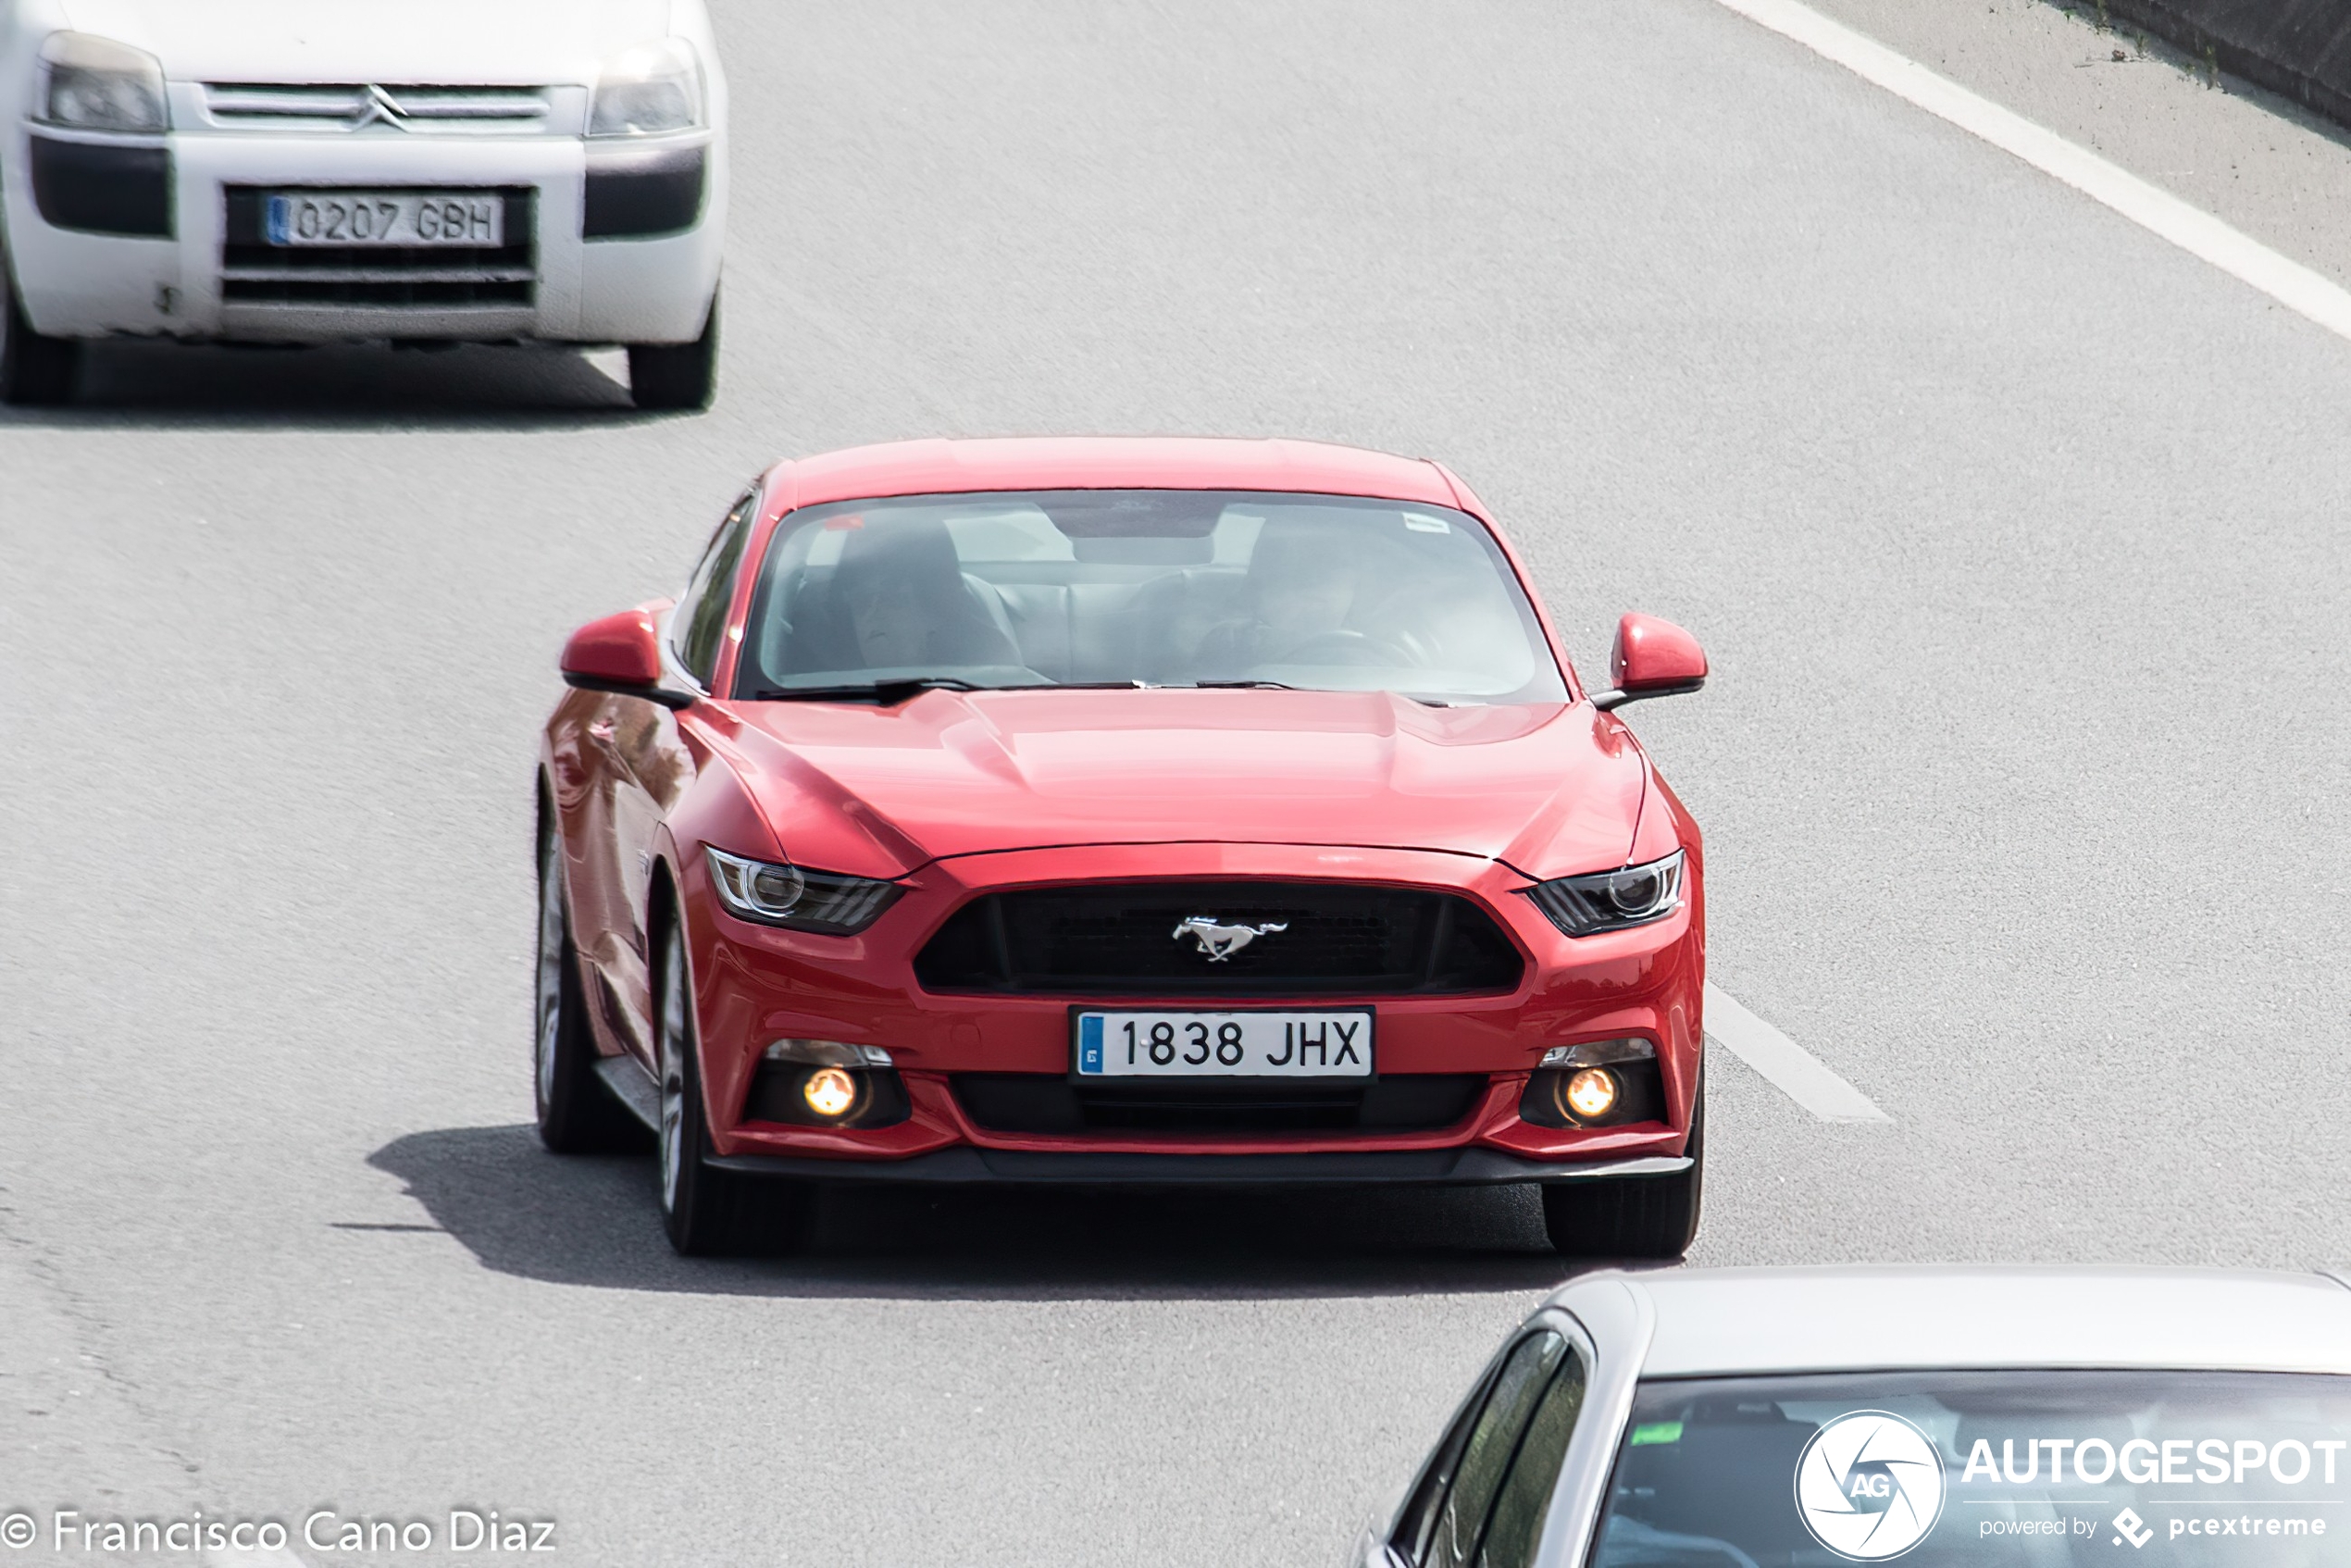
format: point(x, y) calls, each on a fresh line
point(239, 106)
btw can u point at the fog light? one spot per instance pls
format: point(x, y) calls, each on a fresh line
point(1590, 1094)
point(832, 1093)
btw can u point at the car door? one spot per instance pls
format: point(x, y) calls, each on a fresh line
point(649, 767)
point(1481, 1500)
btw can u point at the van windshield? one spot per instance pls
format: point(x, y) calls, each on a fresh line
point(1984, 1470)
point(1147, 588)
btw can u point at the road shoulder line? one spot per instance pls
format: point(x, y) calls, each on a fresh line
point(1789, 1068)
point(2157, 210)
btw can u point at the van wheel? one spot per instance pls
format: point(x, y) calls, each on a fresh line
point(677, 376)
point(35, 371)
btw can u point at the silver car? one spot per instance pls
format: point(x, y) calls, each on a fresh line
point(1746, 1418)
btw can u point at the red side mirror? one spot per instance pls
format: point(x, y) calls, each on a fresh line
point(620, 653)
point(1652, 658)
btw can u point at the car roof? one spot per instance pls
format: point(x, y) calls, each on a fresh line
point(1725, 1322)
point(940, 467)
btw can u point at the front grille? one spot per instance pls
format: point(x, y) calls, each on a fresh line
point(252, 270)
point(305, 106)
point(1038, 1103)
point(1338, 938)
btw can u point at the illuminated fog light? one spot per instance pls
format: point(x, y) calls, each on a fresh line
point(1591, 1094)
point(830, 1092)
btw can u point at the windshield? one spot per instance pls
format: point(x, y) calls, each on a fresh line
point(1144, 587)
point(1983, 1469)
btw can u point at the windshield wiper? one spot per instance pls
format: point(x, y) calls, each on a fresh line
point(890, 693)
point(885, 692)
point(1243, 685)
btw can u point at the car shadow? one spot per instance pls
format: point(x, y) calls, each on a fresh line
point(592, 1222)
point(126, 384)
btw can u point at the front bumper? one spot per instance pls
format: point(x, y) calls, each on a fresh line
point(756, 985)
point(1011, 1167)
point(621, 244)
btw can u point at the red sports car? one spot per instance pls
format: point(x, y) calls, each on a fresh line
point(1153, 812)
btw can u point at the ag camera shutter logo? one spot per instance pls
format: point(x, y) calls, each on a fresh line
point(1870, 1486)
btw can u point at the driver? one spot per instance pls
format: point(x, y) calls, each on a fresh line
point(899, 588)
point(1303, 580)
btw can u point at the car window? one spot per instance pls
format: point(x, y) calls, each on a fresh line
point(700, 619)
point(1417, 1521)
point(1984, 1469)
point(1459, 1526)
point(1517, 1522)
point(1143, 587)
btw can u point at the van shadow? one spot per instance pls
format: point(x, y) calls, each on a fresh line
point(137, 385)
point(592, 1221)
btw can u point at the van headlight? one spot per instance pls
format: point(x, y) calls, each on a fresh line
point(93, 83)
point(648, 90)
point(1609, 901)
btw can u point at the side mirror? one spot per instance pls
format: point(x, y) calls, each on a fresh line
point(622, 654)
point(1652, 658)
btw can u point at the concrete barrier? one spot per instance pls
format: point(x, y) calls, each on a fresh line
point(2300, 49)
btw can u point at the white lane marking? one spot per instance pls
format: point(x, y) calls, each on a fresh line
point(1792, 1070)
point(2190, 228)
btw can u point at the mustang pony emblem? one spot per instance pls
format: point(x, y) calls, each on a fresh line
point(1219, 940)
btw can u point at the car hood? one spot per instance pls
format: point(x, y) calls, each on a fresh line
point(460, 43)
point(1550, 789)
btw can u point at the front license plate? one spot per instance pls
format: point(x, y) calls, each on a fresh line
point(412, 218)
point(1225, 1045)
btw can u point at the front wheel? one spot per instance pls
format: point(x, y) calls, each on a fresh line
point(576, 1114)
point(1631, 1217)
point(707, 1210)
point(677, 376)
point(35, 371)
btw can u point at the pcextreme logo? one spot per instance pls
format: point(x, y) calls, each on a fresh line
point(1869, 1486)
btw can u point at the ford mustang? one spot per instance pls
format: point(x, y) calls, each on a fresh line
point(1148, 811)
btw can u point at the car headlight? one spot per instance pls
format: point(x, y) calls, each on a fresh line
point(94, 84)
point(645, 91)
point(797, 897)
point(1609, 901)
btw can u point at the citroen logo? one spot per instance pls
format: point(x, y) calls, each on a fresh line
point(378, 106)
point(1219, 940)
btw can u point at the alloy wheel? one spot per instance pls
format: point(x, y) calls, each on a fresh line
point(551, 973)
point(676, 1041)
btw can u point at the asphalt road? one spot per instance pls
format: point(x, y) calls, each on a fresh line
point(2015, 536)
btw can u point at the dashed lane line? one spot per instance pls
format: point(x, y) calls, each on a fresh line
point(1790, 1068)
point(2189, 226)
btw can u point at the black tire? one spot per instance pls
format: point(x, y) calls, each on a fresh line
point(1631, 1217)
point(677, 376)
point(577, 1113)
point(35, 371)
point(708, 1212)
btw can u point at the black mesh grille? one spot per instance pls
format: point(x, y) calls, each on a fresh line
point(1037, 1102)
point(420, 276)
point(1334, 939)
